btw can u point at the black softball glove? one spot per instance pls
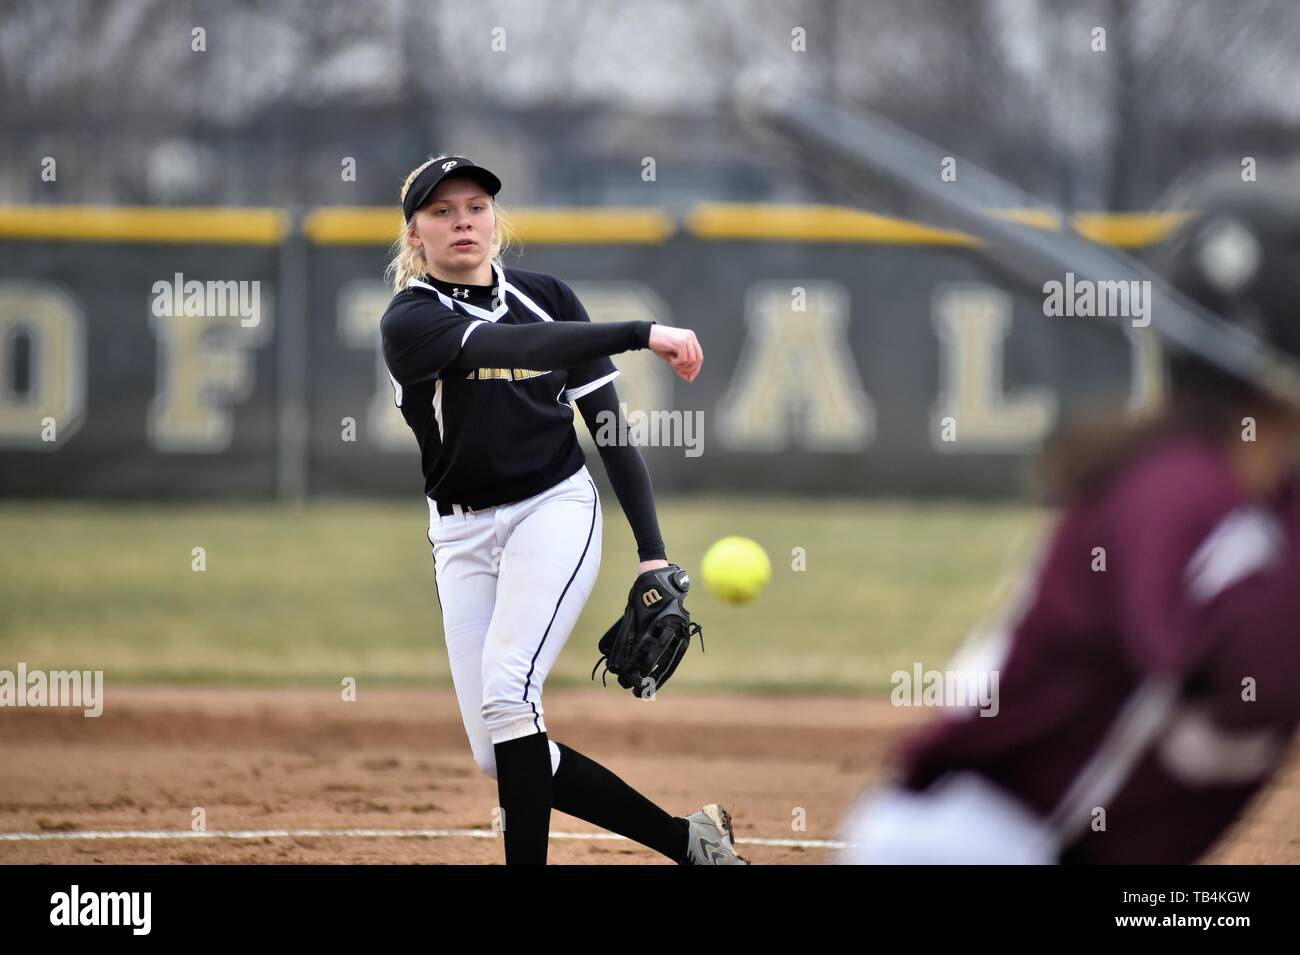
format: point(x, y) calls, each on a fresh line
point(644, 647)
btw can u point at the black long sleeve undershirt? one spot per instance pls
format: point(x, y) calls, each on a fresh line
point(628, 474)
point(550, 344)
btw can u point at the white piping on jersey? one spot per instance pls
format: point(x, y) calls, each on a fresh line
point(455, 305)
point(526, 300)
point(474, 310)
point(397, 390)
point(1144, 715)
point(573, 394)
point(437, 406)
point(473, 325)
point(1245, 541)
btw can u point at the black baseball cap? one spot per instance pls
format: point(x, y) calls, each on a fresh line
point(442, 169)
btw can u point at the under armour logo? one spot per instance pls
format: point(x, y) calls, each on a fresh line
point(449, 164)
point(460, 293)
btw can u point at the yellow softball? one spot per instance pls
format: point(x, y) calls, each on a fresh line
point(735, 569)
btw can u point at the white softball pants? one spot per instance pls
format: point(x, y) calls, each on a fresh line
point(512, 581)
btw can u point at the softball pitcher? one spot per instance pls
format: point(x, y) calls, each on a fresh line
point(484, 363)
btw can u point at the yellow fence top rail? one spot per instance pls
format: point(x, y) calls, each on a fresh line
point(145, 224)
point(812, 223)
point(371, 226)
point(379, 225)
point(794, 223)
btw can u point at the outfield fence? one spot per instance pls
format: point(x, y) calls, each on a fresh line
point(190, 352)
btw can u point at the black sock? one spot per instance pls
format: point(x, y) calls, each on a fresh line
point(588, 790)
point(524, 787)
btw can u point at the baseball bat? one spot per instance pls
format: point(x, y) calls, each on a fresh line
point(860, 143)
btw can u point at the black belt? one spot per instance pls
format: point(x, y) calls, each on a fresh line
point(446, 510)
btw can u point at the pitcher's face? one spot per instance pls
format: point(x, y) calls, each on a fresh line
point(455, 227)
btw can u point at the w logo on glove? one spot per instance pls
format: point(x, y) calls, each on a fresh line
point(644, 647)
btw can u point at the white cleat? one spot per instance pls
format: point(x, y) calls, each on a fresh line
point(710, 839)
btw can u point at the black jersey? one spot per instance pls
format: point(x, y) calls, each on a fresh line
point(493, 435)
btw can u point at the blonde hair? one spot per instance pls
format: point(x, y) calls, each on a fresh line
point(408, 259)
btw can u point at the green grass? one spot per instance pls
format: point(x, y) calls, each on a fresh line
point(308, 595)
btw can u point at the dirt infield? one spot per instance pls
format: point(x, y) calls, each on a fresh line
point(258, 760)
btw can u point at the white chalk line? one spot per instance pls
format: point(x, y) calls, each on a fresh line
point(164, 834)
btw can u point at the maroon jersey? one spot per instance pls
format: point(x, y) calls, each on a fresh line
point(1162, 689)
